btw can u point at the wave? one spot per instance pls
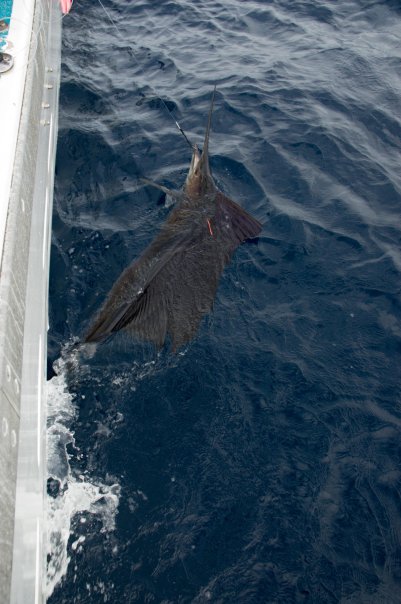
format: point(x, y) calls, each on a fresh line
point(71, 498)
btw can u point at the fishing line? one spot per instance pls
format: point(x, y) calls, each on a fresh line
point(177, 124)
point(132, 53)
point(109, 17)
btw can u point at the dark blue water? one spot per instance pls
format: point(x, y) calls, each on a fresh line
point(262, 464)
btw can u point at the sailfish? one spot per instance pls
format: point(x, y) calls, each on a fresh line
point(165, 293)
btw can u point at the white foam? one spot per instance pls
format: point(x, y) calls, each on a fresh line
point(76, 494)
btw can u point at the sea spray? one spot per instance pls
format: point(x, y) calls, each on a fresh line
point(69, 495)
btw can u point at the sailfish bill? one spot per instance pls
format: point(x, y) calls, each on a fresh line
point(172, 285)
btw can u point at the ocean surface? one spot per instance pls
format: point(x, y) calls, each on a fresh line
point(262, 462)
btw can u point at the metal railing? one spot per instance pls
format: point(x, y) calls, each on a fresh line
point(23, 305)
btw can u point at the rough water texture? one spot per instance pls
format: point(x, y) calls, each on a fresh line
point(262, 463)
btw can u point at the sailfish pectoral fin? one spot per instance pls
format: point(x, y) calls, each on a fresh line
point(172, 192)
point(145, 310)
point(106, 325)
point(145, 314)
point(234, 222)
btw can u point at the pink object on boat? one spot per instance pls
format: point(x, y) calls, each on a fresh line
point(65, 6)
